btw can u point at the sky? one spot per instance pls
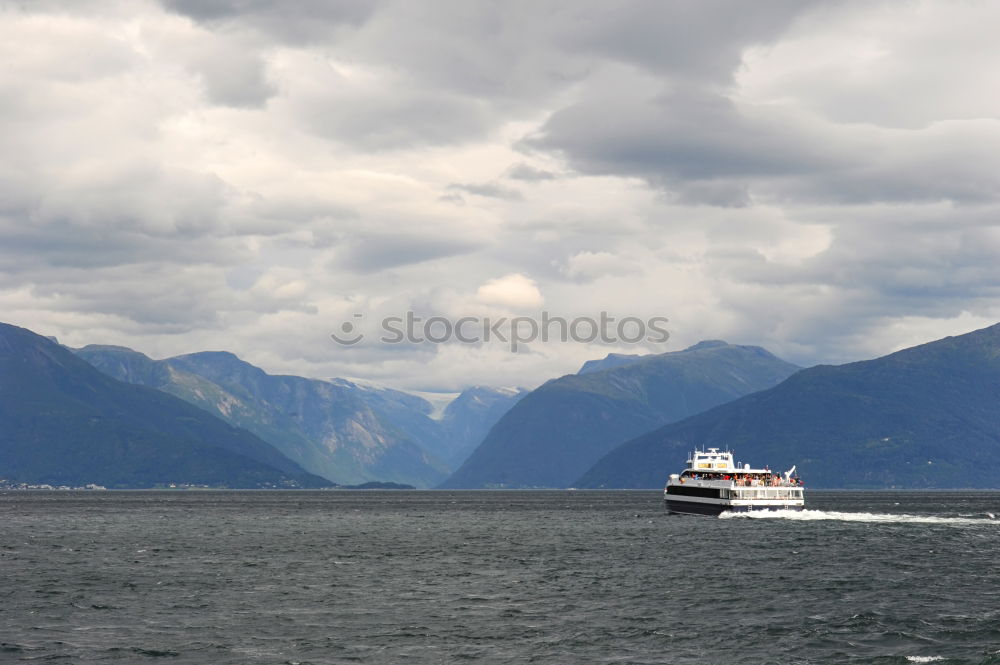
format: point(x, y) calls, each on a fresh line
point(818, 178)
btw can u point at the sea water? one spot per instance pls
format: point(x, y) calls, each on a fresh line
point(495, 577)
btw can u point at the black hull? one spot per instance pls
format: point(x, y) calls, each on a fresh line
point(701, 508)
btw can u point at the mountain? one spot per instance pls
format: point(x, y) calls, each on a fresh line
point(559, 430)
point(448, 426)
point(468, 418)
point(327, 427)
point(927, 416)
point(347, 431)
point(609, 361)
point(63, 422)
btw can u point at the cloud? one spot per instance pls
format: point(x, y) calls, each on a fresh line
point(489, 190)
point(890, 65)
point(373, 108)
point(514, 290)
point(292, 21)
point(631, 124)
point(703, 147)
point(522, 171)
point(374, 252)
point(687, 39)
point(586, 266)
point(231, 68)
point(821, 178)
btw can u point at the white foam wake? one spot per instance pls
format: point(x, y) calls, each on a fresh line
point(815, 515)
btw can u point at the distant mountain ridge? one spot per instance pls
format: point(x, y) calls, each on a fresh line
point(472, 414)
point(347, 432)
point(452, 433)
point(609, 361)
point(559, 430)
point(62, 422)
point(927, 416)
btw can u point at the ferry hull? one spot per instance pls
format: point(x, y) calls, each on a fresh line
point(680, 507)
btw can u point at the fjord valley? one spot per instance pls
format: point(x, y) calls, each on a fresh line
point(347, 432)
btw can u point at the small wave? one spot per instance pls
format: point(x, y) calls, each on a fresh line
point(888, 518)
point(924, 659)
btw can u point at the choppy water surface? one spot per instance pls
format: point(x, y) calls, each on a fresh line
point(495, 577)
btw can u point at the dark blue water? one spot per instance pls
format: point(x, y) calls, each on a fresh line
point(495, 577)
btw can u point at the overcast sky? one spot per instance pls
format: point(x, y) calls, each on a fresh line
point(822, 179)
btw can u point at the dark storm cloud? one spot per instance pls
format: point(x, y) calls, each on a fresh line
point(698, 145)
point(691, 139)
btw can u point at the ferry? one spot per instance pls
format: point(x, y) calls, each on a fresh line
point(712, 484)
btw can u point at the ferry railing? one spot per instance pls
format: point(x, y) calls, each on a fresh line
point(785, 493)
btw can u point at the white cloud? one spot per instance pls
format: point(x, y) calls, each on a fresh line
point(515, 290)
